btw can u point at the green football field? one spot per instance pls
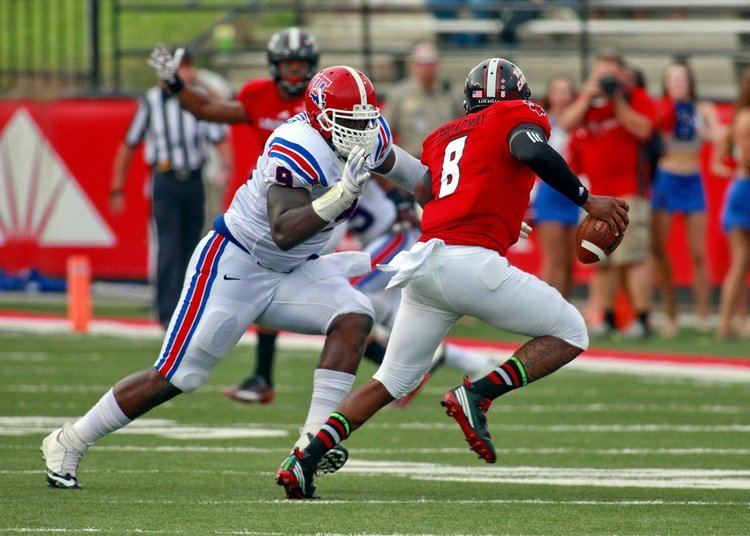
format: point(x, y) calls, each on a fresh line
point(579, 453)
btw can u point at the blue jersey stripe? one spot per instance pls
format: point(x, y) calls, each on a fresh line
point(293, 165)
point(305, 153)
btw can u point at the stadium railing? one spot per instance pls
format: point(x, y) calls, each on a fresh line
point(102, 46)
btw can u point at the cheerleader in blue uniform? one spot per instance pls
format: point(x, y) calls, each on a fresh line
point(556, 216)
point(735, 216)
point(684, 123)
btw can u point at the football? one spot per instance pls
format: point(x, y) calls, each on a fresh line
point(595, 240)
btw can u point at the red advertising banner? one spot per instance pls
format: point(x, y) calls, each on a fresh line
point(55, 173)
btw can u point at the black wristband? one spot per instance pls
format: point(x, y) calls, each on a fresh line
point(176, 85)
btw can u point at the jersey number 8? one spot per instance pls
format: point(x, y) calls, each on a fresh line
point(451, 174)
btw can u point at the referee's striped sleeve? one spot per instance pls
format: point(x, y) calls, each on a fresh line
point(139, 124)
point(216, 132)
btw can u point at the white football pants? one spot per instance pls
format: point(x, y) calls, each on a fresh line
point(443, 283)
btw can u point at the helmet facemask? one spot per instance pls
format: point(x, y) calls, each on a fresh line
point(351, 128)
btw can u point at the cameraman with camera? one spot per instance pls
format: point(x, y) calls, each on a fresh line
point(612, 121)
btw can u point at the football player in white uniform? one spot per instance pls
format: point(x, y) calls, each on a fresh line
point(261, 265)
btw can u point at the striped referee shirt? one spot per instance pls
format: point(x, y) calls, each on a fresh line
point(175, 138)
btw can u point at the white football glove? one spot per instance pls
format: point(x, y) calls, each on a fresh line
point(525, 230)
point(342, 194)
point(164, 63)
point(355, 175)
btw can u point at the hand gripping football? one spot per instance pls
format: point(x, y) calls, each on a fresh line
point(595, 240)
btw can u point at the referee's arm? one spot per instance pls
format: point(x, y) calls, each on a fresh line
point(124, 157)
point(219, 136)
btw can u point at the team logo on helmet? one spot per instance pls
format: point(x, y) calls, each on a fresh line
point(317, 90)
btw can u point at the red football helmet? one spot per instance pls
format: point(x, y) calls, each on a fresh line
point(340, 104)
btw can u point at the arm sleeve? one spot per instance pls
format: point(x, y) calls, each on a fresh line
point(139, 124)
point(407, 171)
point(528, 143)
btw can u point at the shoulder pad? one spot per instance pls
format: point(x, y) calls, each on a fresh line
point(299, 146)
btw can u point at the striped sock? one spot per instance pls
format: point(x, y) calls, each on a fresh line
point(508, 376)
point(334, 431)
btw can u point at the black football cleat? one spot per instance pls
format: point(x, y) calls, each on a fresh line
point(469, 410)
point(295, 478)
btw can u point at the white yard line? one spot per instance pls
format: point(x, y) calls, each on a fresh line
point(11, 425)
point(603, 428)
point(644, 477)
point(647, 477)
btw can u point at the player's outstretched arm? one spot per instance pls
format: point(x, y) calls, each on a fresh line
point(196, 102)
point(528, 143)
point(210, 108)
point(402, 169)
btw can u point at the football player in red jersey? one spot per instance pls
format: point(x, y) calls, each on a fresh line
point(481, 170)
point(264, 104)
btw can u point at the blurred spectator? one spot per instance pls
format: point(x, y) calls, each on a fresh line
point(513, 18)
point(462, 9)
point(175, 151)
point(653, 149)
point(422, 102)
point(684, 122)
point(736, 214)
point(555, 215)
point(614, 121)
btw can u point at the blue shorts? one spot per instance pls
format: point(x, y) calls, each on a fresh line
point(553, 207)
point(737, 206)
point(673, 192)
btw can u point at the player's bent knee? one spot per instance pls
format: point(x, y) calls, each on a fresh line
point(189, 381)
point(573, 328)
point(399, 381)
point(193, 371)
point(570, 327)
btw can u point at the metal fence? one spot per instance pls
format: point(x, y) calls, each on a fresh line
point(99, 46)
point(49, 42)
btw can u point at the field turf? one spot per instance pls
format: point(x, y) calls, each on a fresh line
point(579, 453)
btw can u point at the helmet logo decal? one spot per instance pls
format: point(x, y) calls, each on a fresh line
point(317, 88)
point(520, 77)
